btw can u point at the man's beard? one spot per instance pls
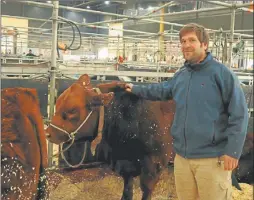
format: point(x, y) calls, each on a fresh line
point(190, 57)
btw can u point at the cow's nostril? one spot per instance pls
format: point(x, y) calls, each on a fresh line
point(47, 135)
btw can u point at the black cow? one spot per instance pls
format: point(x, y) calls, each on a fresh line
point(136, 131)
point(244, 171)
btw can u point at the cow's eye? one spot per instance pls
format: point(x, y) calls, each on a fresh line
point(72, 111)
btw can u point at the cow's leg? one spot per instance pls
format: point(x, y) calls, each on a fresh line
point(150, 175)
point(89, 156)
point(128, 188)
point(235, 182)
point(147, 184)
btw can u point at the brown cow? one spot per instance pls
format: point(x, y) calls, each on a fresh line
point(135, 132)
point(23, 148)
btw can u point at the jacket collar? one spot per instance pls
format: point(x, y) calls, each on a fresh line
point(200, 65)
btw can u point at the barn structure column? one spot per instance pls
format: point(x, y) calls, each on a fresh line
point(232, 28)
point(161, 38)
point(53, 71)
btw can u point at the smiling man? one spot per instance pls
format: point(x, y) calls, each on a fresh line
point(210, 122)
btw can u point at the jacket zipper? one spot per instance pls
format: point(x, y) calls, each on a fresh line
point(187, 97)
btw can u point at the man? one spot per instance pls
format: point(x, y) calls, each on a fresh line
point(210, 122)
point(30, 53)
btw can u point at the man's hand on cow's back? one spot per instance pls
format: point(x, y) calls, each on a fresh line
point(230, 163)
point(128, 87)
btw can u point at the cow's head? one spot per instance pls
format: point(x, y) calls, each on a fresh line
point(76, 105)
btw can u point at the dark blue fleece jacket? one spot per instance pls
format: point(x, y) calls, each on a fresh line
point(211, 116)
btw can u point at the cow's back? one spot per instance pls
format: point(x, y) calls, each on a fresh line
point(20, 151)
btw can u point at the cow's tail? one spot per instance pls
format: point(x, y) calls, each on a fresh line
point(42, 186)
point(43, 193)
point(235, 182)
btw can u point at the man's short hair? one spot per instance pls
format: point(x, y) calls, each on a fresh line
point(199, 30)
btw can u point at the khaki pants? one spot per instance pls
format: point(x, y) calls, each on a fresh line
point(202, 179)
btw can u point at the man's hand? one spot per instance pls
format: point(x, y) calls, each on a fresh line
point(128, 87)
point(230, 163)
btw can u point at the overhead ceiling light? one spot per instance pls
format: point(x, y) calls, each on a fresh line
point(88, 7)
point(49, 2)
point(107, 2)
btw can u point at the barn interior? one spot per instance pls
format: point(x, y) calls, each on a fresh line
point(48, 45)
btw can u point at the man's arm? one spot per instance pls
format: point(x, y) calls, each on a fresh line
point(154, 92)
point(233, 97)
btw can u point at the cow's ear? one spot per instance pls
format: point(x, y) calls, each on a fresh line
point(84, 80)
point(32, 91)
point(100, 99)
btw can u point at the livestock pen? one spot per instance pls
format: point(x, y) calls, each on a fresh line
point(96, 180)
point(125, 40)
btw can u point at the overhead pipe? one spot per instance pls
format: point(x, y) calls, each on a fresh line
point(80, 24)
point(192, 17)
point(105, 27)
point(137, 18)
point(182, 13)
point(220, 3)
point(160, 8)
point(246, 9)
point(83, 4)
point(229, 5)
point(29, 18)
point(125, 17)
point(72, 8)
point(104, 41)
point(243, 5)
point(45, 23)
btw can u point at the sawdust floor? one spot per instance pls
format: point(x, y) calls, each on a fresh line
point(102, 184)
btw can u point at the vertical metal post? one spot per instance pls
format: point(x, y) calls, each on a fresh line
point(247, 59)
point(124, 54)
point(53, 70)
point(213, 44)
point(6, 44)
point(232, 28)
point(220, 50)
point(135, 52)
point(15, 40)
point(117, 51)
point(161, 38)
point(171, 46)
